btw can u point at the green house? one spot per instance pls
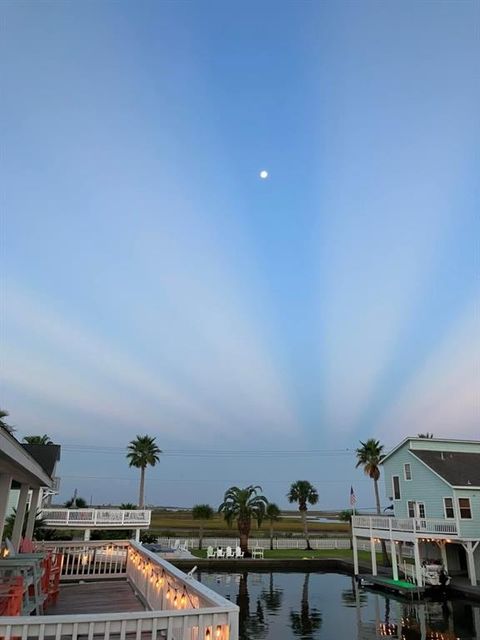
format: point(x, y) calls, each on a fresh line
point(433, 486)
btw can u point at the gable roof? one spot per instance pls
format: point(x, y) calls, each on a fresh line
point(457, 468)
point(425, 441)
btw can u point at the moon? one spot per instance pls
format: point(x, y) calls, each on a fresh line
point(263, 174)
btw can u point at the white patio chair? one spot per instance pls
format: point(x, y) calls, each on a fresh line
point(211, 554)
point(229, 553)
point(176, 545)
point(220, 553)
point(238, 553)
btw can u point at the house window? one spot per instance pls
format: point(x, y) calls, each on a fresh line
point(407, 471)
point(464, 508)
point(421, 509)
point(411, 509)
point(396, 487)
point(448, 507)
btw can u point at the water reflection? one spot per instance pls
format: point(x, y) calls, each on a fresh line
point(250, 625)
point(272, 596)
point(306, 622)
point(318, 606)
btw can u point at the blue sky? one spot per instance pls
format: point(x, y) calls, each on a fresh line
point(152, 283)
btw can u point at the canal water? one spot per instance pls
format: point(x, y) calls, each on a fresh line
point(328, 606)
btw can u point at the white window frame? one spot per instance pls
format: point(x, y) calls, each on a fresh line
point(407, 464)
point(460, 510)
point(454, 517)
point(408, 508)
point(399, 489)
point(424, 517)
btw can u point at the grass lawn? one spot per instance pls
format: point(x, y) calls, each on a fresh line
point(182, 522)
point(300, 554)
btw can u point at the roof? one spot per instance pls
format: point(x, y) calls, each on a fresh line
point(17, 462)
point(426, 441)
point(459, 469)
point(47, 455)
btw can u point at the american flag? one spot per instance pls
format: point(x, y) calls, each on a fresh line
point(353, 497)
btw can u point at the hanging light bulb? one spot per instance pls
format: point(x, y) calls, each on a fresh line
point(218, 633)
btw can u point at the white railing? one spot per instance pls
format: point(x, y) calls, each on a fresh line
point(417, 526)
point(280, 543)
point(180, 607)
point(99, 518)
point(90, 560)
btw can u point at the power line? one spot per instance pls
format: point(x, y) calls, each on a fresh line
point(204, 480)
point(217, 453)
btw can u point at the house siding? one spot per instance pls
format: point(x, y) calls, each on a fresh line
point(425, 486)
point(470, 528)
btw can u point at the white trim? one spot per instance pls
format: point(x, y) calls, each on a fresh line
point(405, 464)
point(445, 508)
point(399, 489)
point(469, 487)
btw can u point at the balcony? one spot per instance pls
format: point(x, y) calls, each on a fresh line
point(96, 518)
point(120, 591)
point(403, 528)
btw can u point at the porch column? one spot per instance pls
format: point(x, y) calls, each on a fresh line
point(5, 484)
point(137, 535)
point(443, 554)
point(418, 567)
point(355, 554)
point(470, 549)
point(393, 553)
point(20, 516)
point(32, 513)
point(86, 535)
point(373, 554)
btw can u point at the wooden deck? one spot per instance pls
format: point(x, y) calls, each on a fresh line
point(109, 596)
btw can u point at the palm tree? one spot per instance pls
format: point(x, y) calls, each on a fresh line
point(128, 506)
point(369, 456)
point(242, 505)
point(202, 512)
point(303, 492)
point(305, 622)
point(37, 439)
point(76, 502)
point(273, 514)
point(5, 425)
point(143, 452)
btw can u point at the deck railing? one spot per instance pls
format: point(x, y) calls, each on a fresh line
point(418, 526)
point(90, 560)
point(180, 607)
point(91, 518)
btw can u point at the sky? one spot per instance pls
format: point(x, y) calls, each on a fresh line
point(152, 283)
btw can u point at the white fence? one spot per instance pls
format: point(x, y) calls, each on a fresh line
point(96, 518)
point(264, 543)
point(182, 608)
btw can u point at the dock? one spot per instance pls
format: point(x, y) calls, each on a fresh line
point(400, 587)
